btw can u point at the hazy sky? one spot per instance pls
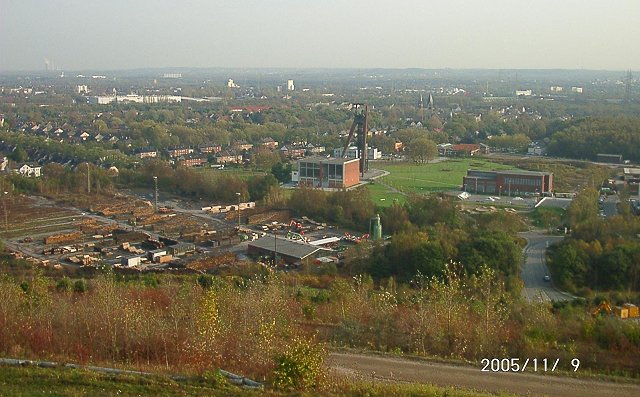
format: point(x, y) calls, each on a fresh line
point(126, 34)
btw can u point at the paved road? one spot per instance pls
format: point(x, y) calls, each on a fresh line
point(387, 369)
point(536, 289)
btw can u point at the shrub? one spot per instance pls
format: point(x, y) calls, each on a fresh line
point(300, 366)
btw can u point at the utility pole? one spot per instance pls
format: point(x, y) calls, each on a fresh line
point(88, 179)
point(238, 194)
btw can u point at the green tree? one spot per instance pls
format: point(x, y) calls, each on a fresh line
point(421, 150)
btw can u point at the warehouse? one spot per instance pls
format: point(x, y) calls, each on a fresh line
point(508, 182)
point(287, 250)
point(328, 172)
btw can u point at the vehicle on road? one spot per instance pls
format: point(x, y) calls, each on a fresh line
point(547, 278)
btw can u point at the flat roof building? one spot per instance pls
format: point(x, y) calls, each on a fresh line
point(510, 182)
point(328, 172)
point(288, 250)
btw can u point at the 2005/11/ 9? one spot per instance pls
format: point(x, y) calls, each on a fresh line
point(518, 365)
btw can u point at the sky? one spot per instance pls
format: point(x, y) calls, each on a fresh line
point(460, 34)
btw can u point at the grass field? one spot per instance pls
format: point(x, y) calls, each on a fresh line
point(418, 179)
point(212, 173)
point(383, 197)
point(34, 381)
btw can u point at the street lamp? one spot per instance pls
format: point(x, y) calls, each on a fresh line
point(238, 194)
point(155, 193)
point(6, 214)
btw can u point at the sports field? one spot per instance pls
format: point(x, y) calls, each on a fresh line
point(413, 178)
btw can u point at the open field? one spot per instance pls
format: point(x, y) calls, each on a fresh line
point(426, 178)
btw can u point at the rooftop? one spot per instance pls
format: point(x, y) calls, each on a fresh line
point(327, 160)
point(286, 247)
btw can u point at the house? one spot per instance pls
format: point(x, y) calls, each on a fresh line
point(210, 148)
point(315, 149)
point(269, 143)
point(177, 151)
point(293, 151)
point(4, 162)
point(84, 135)
point(144, 153)
point(242, 145)
point(29, 170)
point(192, 160)
point(398, 146)
point(228, 156)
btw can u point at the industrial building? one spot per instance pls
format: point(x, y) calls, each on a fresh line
point(181, 249)
point(328, 172)
point(287, 250)
point(508, 182)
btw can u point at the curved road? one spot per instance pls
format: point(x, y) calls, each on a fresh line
point(536, 289)
point(391, 369)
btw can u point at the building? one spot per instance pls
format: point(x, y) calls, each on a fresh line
point(463, 150)
point(609, 158)
point(509, 182)
point(353, 152)
point(631, 175)
point(181, 249)
point(178, 151)
point(228, 156)
point(524, 92)
point(577, 90)
point(328, 172)
point(287, 250)
point(192, 160)
point(145, 153)
point(29, 170)
point(290, 86)
point(210, 148)
point(82, 89)
point(556, 89)
point(536, 149)
point(130, 261)
point(4, 162)
point(269, 143)
point(293, 151)
point(232, 84)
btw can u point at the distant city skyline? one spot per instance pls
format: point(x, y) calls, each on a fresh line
point(491, 34)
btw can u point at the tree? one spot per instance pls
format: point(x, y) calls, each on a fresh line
point(19, 155)
point(421, 150)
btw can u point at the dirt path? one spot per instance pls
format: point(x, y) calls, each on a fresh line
point(402, 370)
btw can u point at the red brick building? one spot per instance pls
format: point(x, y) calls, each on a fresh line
point(329, 172)
point(508, 182)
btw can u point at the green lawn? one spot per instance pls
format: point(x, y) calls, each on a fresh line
point(446, 175)
point(383, 197)
point(413, 178)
